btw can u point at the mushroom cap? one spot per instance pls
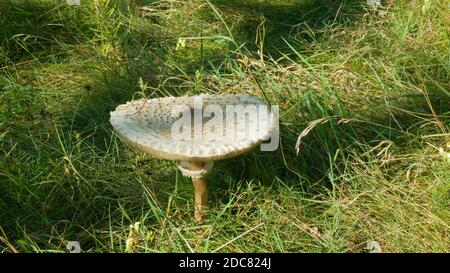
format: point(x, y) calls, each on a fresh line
point(216, 130)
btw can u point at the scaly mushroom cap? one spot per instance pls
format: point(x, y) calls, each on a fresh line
point(147, 124)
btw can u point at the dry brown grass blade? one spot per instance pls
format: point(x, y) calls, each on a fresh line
point(308, 129)
point(4, 239)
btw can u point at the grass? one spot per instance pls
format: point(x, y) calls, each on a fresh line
point(363, 96)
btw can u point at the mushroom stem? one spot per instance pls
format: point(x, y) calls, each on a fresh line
point(197, 171)
point(201, 199)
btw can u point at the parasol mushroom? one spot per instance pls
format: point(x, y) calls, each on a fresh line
point(195, 131)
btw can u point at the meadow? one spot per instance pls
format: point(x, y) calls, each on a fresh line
point(364, 97)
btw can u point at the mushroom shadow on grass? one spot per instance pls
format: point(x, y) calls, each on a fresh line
point(195, 131)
